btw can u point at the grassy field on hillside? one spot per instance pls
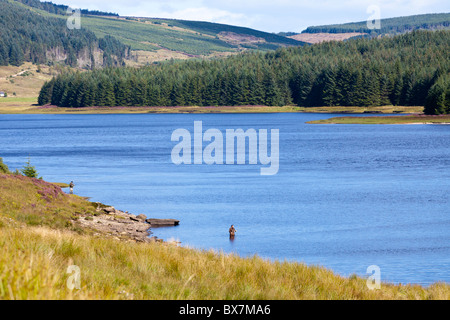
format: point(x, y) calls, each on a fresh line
point(24, 81)
point(194, 38)
point(149, 37)
point(39, 203)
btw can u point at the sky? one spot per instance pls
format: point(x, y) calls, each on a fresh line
point(266, 15)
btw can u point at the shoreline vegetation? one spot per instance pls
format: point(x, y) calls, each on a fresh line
point(404, 119)
point(406, 114)
point(29, 106)
point(43, 231)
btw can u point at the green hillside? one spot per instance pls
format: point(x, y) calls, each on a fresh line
point(270, 40)
point(191, 38)
point(28, 35)
point(147, 36)
point(435, 21)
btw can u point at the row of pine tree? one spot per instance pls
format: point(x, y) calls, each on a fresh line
point(410, 70)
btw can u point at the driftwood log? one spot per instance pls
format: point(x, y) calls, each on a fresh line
point(162, 222)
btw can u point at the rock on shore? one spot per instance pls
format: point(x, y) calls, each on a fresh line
point(112, 222)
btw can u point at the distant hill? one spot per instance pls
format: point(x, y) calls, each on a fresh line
point(434, 21)
point(28, 35)
point(188, 38)
point(60, 8)
point(36, 31)
point(391, 26)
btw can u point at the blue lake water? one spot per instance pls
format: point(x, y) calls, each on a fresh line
point(345, 197)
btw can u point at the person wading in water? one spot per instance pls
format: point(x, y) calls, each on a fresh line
point(232, 231)
point(71, 185)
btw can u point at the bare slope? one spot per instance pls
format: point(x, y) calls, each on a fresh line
point(321, 37)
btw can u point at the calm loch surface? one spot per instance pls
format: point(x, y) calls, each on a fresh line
point(345, 197)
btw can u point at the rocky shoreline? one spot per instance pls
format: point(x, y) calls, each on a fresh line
point(109, 221)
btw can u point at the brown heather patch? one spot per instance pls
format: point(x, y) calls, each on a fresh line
point(37, 202)
point(47, 190)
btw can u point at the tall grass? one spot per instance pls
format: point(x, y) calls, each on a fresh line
point(34, 263)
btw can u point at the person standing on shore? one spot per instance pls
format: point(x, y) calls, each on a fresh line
point(232, 232)
point(71, 185)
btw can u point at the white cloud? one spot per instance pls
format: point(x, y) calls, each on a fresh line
point(266, 15)
point(209, 14)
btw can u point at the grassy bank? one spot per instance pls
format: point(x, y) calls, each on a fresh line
point(28, 106)
point(407, 119)
point(35, 260)
point(39, 203)
point(40, 238)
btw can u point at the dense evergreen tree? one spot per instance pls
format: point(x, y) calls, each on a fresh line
point(16, 56)
point(45, 95)
point(392, 70)
point(438, 98)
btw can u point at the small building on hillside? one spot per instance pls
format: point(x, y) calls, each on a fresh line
point(2, 94)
